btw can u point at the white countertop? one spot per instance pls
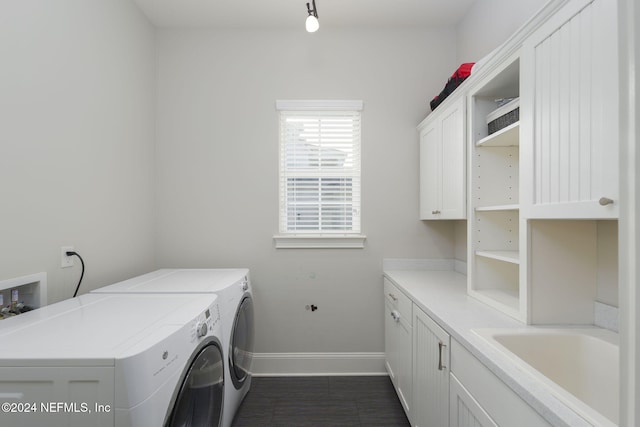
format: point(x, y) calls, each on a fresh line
point(443, 296)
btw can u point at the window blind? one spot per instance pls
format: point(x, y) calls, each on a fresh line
point(320, 172)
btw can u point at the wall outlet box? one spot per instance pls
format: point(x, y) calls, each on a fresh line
point(66, 261)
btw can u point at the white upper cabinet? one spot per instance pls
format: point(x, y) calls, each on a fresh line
point(442, 161)
point(570, 118)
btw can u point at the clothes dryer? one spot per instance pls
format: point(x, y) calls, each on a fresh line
point(114, 360)
point(232, 285)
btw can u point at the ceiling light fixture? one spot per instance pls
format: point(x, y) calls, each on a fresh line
point(312, 23)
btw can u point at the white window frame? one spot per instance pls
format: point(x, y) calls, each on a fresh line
point(316, 238)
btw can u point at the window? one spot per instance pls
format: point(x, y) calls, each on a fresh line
point(319, 174)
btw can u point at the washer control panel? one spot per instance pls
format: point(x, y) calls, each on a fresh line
point(206, 321)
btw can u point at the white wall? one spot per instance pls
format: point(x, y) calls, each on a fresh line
point(76, 141)
point(489, 23)
point(460, 240)
point(217, 164)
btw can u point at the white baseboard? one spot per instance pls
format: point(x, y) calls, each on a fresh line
point(313, 364)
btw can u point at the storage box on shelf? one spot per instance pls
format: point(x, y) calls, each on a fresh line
point(505, 115)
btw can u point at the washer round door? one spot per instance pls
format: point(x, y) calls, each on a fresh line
point(199, 400)
point(241, 351)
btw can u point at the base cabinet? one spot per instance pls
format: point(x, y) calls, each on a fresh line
point(464, 410)
point(430, 372)
point(398, 336)
point(479, 398)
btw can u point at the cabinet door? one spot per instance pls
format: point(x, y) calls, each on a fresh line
point(398, 354)
point(453, 163)
point(430, 172)
point(486, 393)
point(390, 344)
point(430, 372)
point(443, 163)
point(464, 410)
point(569, 113)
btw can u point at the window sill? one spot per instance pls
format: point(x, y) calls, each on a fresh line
point(319, 242)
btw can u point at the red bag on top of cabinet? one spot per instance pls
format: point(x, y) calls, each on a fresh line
point(458, 76)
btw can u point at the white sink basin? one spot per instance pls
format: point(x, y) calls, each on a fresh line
point(579, 366)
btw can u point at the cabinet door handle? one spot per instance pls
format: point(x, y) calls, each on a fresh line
point(604, 201)
point(436, 212)
point(395, 315)
point(393, 297)
point(441, 367)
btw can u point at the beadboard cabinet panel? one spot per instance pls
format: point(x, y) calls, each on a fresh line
point(430, 372)
point(465, 410)
point(569, 77)
point(491, 396)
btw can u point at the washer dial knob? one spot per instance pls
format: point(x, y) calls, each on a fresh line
point(201, 329)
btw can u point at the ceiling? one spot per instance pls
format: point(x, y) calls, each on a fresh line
point(291, 13)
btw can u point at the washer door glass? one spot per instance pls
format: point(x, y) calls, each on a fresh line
point(199, 401)
point(241, 352)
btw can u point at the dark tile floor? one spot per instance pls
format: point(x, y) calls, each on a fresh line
point(321, 402)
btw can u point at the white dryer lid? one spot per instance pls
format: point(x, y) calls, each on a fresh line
point(179, 281)
point(94, 330)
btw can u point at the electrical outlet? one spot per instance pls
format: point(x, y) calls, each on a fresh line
point(66, 261)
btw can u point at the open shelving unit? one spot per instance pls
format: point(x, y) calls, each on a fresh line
point(494, 232)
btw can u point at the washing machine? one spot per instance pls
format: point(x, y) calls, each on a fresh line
point(232, 285)
point(116, 361)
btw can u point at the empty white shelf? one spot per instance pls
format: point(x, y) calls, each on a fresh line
point(506, 256)
point(506, 137)
point(498, 208)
